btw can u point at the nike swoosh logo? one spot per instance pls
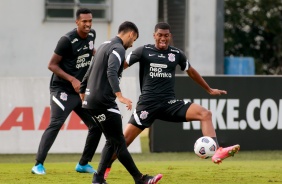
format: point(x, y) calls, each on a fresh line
point(79, 49)
point(152, 54)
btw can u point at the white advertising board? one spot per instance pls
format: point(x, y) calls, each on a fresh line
point(25, 113)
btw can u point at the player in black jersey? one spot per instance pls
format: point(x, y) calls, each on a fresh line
point(69, 63)
point(99, 90)
point(157, 100)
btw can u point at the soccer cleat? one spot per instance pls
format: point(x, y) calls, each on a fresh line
point(107, 172)
point(38, 169)
point(98, 180)
point(146, 179)
point(84, 168)
point(223, 153)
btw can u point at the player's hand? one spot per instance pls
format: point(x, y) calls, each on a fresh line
point(82, 96)
point(126, 101)
point(217, 92)
point(75, 84)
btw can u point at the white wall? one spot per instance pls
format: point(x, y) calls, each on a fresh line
point(27, 43)
point(23, 112)
point(202, 35)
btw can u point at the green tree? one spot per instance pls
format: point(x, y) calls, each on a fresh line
point(254, 28)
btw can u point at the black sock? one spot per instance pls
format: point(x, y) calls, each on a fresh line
point(83, 162)
point(215, 140)
point(37, 163)
point(139, 177)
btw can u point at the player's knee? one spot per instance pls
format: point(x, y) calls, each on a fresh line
point(206, 114)
point(127, 140)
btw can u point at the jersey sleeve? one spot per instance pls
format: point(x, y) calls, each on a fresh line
point(63, 47)
point(93, 36)
point(115, 61)
point(134, 56)
point(184, 63)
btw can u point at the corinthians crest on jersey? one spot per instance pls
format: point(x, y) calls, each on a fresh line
point(171, 57)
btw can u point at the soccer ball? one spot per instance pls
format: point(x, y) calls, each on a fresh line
point(205, 147)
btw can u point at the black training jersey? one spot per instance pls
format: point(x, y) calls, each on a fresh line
point(157, 70)
point(76, 57)
point(101, 81)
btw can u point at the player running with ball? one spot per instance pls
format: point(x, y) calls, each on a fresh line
point(157, 100)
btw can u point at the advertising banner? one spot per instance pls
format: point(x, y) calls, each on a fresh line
point(25, 114)
point(249, 115)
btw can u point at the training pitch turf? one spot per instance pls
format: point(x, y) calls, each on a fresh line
point(246, 167)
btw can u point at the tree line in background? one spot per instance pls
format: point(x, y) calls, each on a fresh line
point(253, 28)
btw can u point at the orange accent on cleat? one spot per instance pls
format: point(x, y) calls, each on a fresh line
point(223, 153)
point(107, 172)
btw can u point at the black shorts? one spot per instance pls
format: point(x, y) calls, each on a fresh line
point(63, 103)
point(110, 122)
point(169, 110)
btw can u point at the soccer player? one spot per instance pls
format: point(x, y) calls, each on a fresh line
point(69, 63)
point(157, 100)
point(99, 90)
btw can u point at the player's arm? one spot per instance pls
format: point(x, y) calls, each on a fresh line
point(133, 57)
point(199, 80)
point(193, 74)
point(124, 100)
point(53, 65)
point(125, 65)
point(114, 63)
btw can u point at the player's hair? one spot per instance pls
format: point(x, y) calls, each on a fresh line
point(82, 11)
point(128, 26)
point(162, 25)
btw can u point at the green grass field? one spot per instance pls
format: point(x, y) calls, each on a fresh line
point(177, 168)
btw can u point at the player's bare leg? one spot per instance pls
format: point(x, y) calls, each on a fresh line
point(197, 112)
point(130, 133)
